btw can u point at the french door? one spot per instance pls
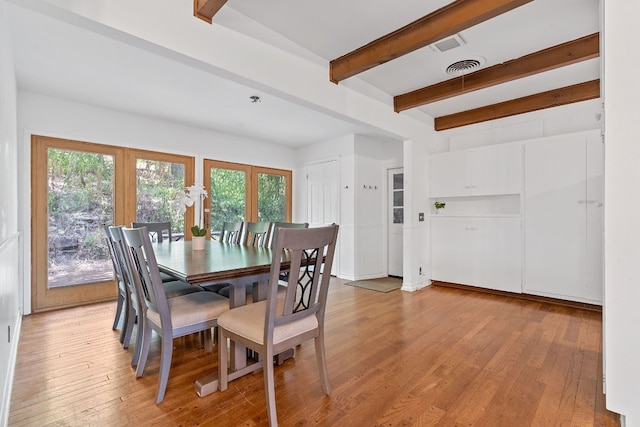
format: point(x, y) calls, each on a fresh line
point(239, 192)
point(76, 188)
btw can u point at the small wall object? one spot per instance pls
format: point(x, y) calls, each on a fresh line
point(438, 206)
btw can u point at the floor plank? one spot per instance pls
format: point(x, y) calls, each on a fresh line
point(439, 356)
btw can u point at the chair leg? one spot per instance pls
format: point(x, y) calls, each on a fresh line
point(144, 350)
point(222, 360)
point(322, 363)
point(208, 340)
point(270, 388)
point(127, 329)
point(165, 365)
point(116, 319)
point(135, 359)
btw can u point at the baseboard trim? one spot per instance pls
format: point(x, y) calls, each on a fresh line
point(528, 297)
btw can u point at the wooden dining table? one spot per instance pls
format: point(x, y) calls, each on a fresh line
point(237, 265)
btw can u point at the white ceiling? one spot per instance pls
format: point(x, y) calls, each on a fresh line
point(62, 60)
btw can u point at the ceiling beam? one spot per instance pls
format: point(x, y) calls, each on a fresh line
point(205, 9)
point(444, 22)
point(582, 49)
point(553, 98)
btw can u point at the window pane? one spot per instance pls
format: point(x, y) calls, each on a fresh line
point(79, 199)
point(159, 186)
point(398, 216)
point(271, 197)
point(398, 181)
point(398, 198)
point(227, 198)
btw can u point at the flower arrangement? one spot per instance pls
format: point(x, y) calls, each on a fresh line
point(194, 196)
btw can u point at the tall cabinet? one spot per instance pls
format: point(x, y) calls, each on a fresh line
point(563, 194)
point(477, 238)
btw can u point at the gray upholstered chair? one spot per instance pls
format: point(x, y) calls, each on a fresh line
point(284, 321)
point(123, 307)
point(168, 317)
point(158, 231)
point(276, 225)
point(256, 234)
point(231, 232)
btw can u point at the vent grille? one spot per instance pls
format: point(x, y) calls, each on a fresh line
point(463, 67)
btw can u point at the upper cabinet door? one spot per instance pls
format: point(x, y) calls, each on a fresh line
point(496, 170)
point(450, 174)
point(487, 171)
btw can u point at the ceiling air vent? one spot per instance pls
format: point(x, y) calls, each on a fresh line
point(465, 66)
point(448, 43)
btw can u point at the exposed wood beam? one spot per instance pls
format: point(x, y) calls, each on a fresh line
point(582, 49)
point(539, 101)
point(205, 9)
point(444, 22)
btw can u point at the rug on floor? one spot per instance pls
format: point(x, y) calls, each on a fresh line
point(382, 284)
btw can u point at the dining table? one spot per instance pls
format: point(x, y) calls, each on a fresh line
point(238, 265)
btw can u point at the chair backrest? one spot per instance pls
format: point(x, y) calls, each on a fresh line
point(141, 258)
point(117, 268)
point(231, 232)
point(276, 225)
point(119, 248)
point(306, 293)
point(256, 234)
point(156, 230)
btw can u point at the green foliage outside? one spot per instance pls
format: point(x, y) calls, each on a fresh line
point(227, 198)
point(79, 200)
point(271, 198)
point(159, 187)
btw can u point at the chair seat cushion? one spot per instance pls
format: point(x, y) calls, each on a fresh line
point(177, 288)
point(248, 321)
point(192, 309)
point(166, 277)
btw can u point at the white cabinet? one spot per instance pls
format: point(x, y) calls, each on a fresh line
point(563, 217)
point(484, 252)
point(494, 170)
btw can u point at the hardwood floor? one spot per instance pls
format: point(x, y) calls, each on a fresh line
point(438, 356)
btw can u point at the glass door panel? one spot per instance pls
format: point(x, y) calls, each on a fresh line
point(228, 187)
point(80, 198)
point(272, 201)
point(159, 189)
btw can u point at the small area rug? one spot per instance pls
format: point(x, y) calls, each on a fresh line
point(382, 284)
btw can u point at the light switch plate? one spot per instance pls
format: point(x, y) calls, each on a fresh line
point(421, 216)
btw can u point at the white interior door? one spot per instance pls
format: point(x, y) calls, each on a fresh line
point(396, 220)
point(322, 198)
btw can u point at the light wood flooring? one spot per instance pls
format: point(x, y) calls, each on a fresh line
point(438, 356)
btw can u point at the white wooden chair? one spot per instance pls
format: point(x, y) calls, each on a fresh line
point(283, 321)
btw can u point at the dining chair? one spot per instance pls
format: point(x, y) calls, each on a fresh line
point(136, 307)
point(256, 234)
point(275, 225)
point(124, 304)
point(231, 232)
point(156, 230)
point(169, 317)
point(284, 321)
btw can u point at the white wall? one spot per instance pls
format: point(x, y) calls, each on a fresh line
point(43, 115)
point(622, 205)
point(362, 162)
point(10, 289)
